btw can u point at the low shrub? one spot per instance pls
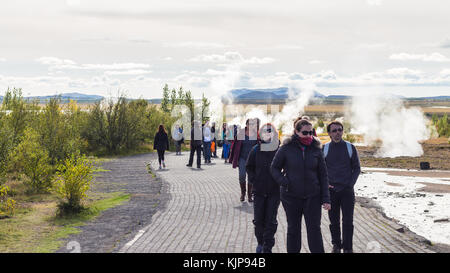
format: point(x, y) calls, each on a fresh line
point(73, 179)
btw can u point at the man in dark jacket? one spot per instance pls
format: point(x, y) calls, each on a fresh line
point(266, 191)
point(344, 168)
point(299, 167)
point(196, 144)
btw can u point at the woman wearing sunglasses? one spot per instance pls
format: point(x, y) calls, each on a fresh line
point(299, 167)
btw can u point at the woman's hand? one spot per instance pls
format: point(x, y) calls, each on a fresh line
point(326, 206)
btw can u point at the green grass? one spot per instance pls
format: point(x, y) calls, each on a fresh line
point(37, 229)
point(151, 172)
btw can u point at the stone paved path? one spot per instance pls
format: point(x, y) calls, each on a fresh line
point(204, 215)
point(116, 226)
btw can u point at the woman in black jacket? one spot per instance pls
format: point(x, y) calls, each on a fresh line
point(299, 168)
point(266, 191)
point(161, 144)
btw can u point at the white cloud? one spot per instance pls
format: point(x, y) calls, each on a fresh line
point(139, 41)
point(2, 60)
point(55, 63)
point(315, 62)
point(73, 3)
point(288, 47)
point(114, 66)
point(374, 2)
point(328, 78)
point(196, 45)
point(445, 73)
point(219, 81)
point(434, 57)
point(372, 46)
point(401, 71)
point(128, 72)
point(231, 57)
point(255, 60)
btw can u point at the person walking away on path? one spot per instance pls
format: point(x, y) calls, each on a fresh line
point(299, 168)
point(161, 144)
point(266, 191)
point(226, 134)
point(343, 168)
point(207, 142)
point(214, 140)
point(241, 147)
point(196, 144)
point(177, 136)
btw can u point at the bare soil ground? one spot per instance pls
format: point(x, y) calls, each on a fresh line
point(435, 188)
point(436, 152)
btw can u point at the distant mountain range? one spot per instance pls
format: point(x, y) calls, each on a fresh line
point(243, 96)
point(281, 95)
point(431, 98)
point(267, 95)
point(66, 97)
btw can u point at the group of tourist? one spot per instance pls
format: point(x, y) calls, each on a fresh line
point(301, 174)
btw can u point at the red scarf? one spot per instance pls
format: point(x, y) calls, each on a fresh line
point(306, 140)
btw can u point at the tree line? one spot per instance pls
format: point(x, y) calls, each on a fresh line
point(47, 146)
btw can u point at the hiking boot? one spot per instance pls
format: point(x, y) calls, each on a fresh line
point(188, 165)
point(336, 249)
point(250, 193)
point(242, 192)
point(348, 250)
point(259, 249)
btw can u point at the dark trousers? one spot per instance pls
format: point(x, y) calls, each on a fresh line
point(197, 149)
point(178, 147)
point(160, 156)
point(343, 200)
point(311, 209)
point(265, 220)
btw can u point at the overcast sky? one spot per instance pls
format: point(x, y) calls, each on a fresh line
point(344, 47)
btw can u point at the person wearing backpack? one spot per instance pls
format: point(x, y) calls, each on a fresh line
point(341, 158)
point(266, 191)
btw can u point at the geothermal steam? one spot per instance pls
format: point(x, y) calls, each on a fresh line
point(299, 96)
point(385, 119)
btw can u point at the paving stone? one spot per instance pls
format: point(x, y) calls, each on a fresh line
point(204, 214)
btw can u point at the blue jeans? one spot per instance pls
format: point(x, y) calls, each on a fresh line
point(226, 150)
point(242, 170)
point(207, 150)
